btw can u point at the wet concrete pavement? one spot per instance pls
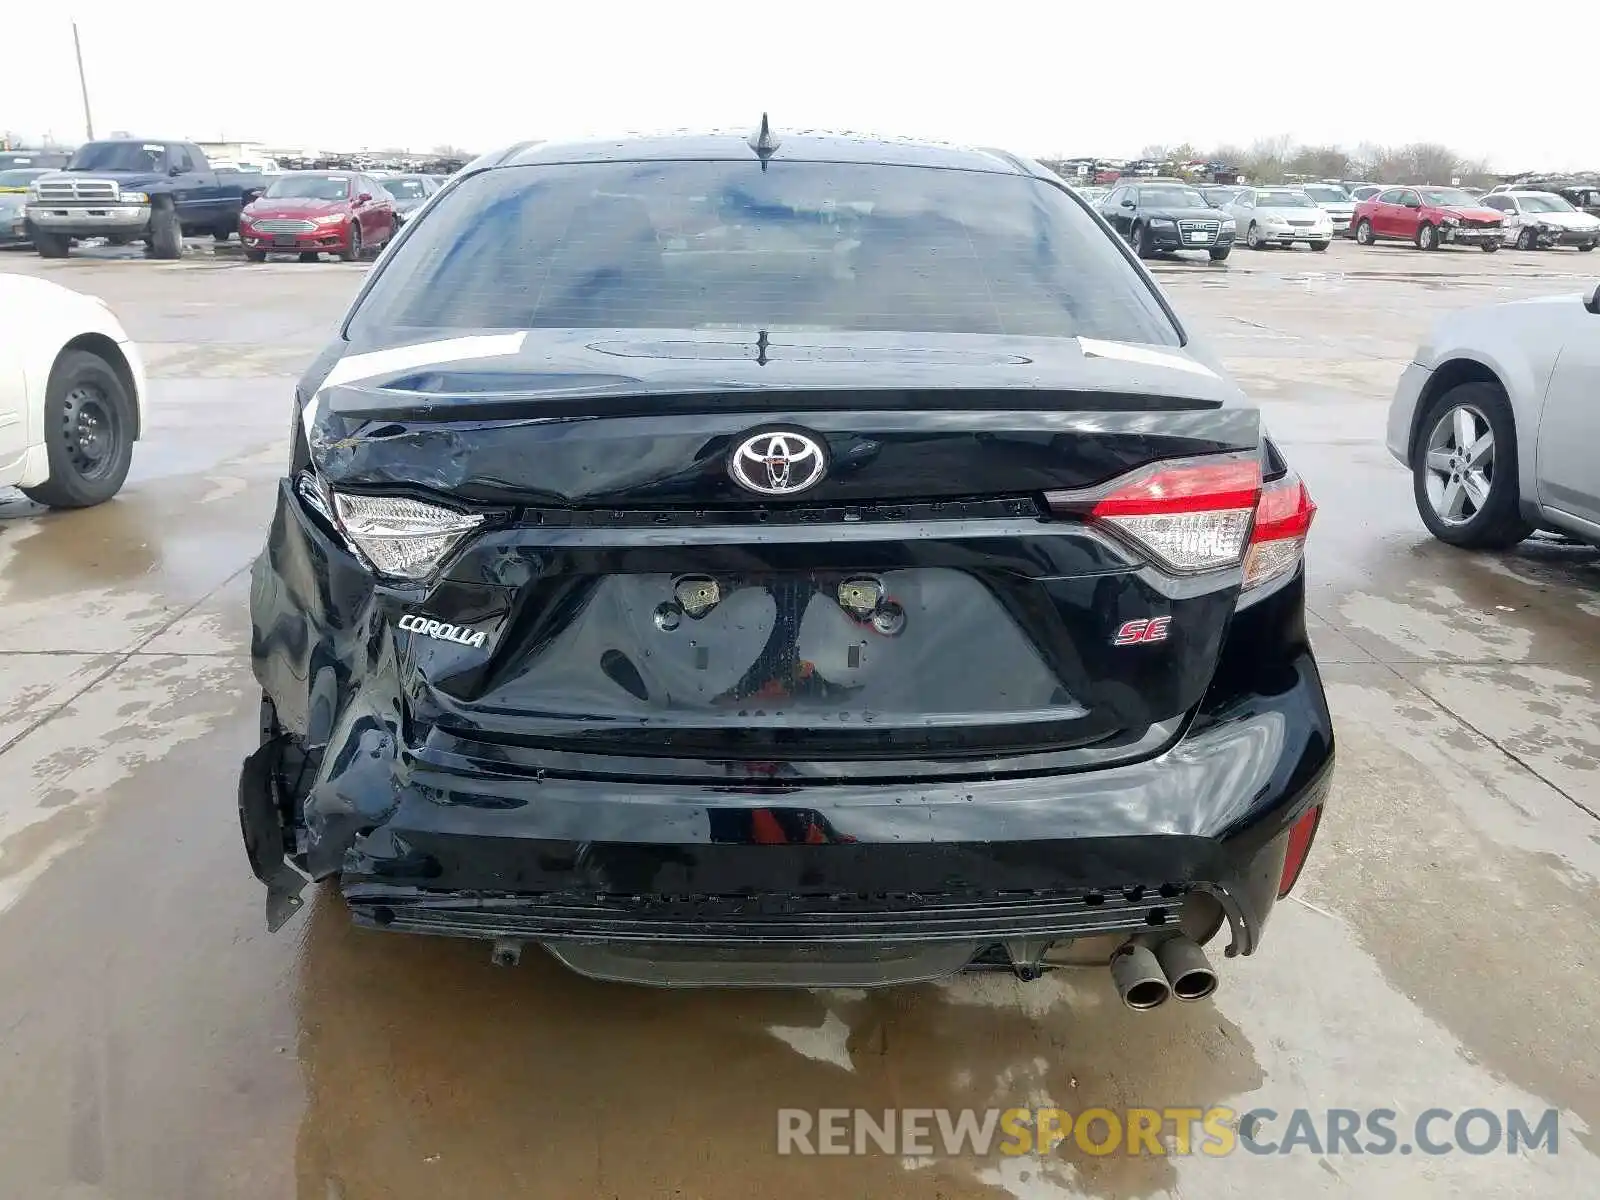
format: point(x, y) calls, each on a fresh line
point(157, 1042)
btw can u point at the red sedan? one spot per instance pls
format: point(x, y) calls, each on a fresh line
point(318, 212)
point(1428, 217)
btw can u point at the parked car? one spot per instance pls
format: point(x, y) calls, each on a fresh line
point(71, 394)
point(1280, 216)
point(960, 617)
point(1163, 217)
point(1497, 421)
point(1220, 195)
point(53, 160)
point(1429, 217)
point(1542, 220)
point(1364, 191)
point(14, 203)
point(409, 192)
point(1092, 194)
point(134, 190)
point(1336, 202)
point(318, 212)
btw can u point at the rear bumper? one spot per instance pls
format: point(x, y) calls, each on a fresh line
point(1403, 411)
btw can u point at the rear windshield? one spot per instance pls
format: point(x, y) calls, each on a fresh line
point(726, 245)
point(405, 189)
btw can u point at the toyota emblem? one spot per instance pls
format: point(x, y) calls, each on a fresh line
point(778, 462)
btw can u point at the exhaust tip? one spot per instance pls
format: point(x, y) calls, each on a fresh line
point(1146, 994)
point(1138, 977)
point(1189, 973)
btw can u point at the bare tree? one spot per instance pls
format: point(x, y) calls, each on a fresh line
point(1267, 158)
point(448, 151)
point(1429, 162)
point(1320, 162)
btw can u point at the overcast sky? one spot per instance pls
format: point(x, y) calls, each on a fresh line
point(1042, 78)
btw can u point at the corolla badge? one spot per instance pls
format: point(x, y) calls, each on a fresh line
point(443, 631)
point(778, 462)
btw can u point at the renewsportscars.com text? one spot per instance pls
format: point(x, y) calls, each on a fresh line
point(1215, 1132)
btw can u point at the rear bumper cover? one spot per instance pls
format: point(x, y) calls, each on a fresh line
point(459, 839)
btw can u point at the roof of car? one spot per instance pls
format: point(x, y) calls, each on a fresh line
point(791, 147)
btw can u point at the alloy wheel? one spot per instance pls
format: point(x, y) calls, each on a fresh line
point(1460, 464)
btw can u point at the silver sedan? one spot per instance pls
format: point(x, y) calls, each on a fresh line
point(1496, 419)
point(1280, 216)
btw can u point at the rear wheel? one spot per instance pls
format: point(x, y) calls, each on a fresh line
point(308, 256)
point(255, 256)
point(89, 429)
point(1320, 245)
point(1218, 255)
point(1364, 234)
point(1427, 237)
point(1588, 246)
point(118, 239)
point(1490, 247)
point(1464, 470)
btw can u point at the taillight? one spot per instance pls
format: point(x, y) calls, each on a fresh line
point(1301, 834)
point(1190, 516)
point(1283, 518)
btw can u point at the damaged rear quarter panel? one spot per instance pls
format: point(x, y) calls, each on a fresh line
point(325, 656)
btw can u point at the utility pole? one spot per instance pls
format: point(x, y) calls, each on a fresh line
point(83, 84)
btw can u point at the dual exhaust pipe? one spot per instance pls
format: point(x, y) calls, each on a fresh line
point(1146, 974)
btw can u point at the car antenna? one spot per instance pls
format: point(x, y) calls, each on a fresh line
point(764, 142)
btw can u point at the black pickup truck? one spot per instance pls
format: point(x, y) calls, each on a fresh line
point(129, 190)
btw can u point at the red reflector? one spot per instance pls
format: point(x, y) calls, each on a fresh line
point(1301, 834)
point(1196, 487)
point(1285, 511)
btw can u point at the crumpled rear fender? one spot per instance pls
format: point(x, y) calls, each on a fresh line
point(324, 655)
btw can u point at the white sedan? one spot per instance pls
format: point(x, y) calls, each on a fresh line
point(1538, 220)
point(1280, 216)
point(71, 394)
point(1497, 420)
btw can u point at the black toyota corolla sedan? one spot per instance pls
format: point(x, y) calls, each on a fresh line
point(802, 560)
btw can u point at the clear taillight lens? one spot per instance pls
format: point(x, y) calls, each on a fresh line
point(1278, 541)
point(1189, 516)
point(401, 537)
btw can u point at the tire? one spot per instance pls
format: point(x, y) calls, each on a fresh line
point(89, 429)
point(1442, 475)
point(1427, 237)
point(118, 239)
point(222, 233)
point(1139, 239)
point(255, 256)
point(308, 256)
point(51, 245)
point(1491, 247)
point(1321, 245)
point(1364, 234)
point(166, 234)
point(1527, 239)
point(1587, 246)
point(1252, 239)
point(352, 252)
point(1222, 254)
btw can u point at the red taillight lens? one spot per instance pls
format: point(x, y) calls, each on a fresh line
point(1301, 834)
point(1283, 518)
point(1190, 516)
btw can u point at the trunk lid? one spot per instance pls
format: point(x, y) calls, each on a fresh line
point(918, 608)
